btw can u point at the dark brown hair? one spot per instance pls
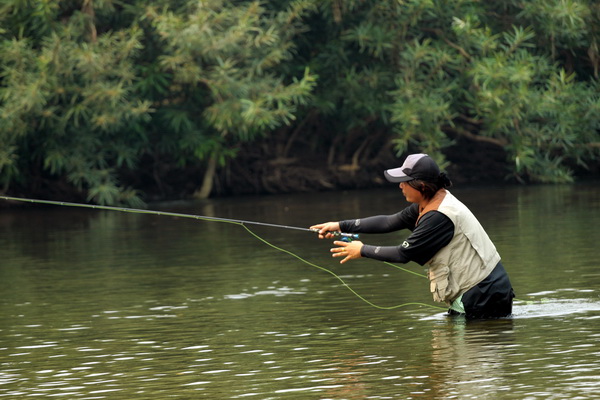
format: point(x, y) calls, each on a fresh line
point(429, 189)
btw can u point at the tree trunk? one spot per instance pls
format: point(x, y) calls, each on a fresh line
point(207, 181)
point(88, 8)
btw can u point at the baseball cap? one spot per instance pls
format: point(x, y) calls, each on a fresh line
point(416, 166)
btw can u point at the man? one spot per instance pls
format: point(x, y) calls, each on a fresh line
point(464, 266)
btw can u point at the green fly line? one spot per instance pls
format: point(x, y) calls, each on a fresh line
point(243, 224)
point(339, 278)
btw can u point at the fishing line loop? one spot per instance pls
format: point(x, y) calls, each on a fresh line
point(338, 277)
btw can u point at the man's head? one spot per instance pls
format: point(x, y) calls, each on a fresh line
point(416, 166)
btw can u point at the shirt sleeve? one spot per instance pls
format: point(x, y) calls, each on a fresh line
point(435, 230)
point(404, 219)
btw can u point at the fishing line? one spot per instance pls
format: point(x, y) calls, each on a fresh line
point(243, 224)
point(338, 277)
point(405, 269)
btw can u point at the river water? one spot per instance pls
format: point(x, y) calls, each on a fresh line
point(111, 305)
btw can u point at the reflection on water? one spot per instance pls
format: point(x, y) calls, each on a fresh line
point(99, 305)
point(271, 290)
point(554, 307)
point(467, 358)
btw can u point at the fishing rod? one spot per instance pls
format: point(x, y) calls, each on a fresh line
point(344, 236)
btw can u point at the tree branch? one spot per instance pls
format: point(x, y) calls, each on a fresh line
point(439, 32)
point(477, 138)
point(470, 119)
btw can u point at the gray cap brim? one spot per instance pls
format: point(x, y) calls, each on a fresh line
point(396, 175)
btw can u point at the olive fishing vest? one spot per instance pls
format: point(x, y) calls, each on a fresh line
point(469, 257)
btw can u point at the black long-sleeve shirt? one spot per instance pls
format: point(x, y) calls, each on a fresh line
point(435, 230)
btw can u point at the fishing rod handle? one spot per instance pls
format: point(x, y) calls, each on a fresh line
point(343, 235)
point(349, 236)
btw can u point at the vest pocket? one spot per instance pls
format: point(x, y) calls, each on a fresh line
point(438, 282)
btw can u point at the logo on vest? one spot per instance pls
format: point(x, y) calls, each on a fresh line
point(405, 244)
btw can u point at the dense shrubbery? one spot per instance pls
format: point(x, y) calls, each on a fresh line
point(109, 98)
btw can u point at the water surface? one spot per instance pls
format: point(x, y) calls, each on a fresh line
point(108, 305)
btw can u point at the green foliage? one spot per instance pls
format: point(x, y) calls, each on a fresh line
point(30, 19)
point(217, 77)
point(478, 70)
point(563, 22)
point(90, 89)
point(532, 107)
point(424, 96)
point(64, 104)
point(230, 54)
